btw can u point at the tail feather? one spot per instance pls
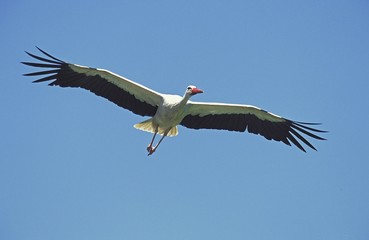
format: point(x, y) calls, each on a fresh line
point(148, 126)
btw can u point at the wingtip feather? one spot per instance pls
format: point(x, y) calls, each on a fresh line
point(47, 54)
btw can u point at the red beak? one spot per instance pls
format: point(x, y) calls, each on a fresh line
point(196, 91)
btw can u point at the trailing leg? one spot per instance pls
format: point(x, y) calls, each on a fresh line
point(152, 150)
point(149, 147)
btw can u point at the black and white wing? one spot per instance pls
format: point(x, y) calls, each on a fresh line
point(235, 117)
point(117, 89)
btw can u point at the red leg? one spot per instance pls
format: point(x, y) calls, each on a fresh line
point(152, 150)
point(149, 148)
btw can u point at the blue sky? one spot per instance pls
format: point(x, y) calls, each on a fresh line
point(73, 167)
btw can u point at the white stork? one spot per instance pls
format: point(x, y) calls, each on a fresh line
point(167, 111)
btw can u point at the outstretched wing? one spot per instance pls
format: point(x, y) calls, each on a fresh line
point(234, 117)
point(117, 89)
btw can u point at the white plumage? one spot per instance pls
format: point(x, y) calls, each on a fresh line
point(167, 111)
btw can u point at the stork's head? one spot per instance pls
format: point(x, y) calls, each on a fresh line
point(192, 90)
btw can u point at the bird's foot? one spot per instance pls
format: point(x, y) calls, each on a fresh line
point(151, 151)
point(149, 148)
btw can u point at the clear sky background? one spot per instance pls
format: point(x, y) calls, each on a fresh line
point(73, 167)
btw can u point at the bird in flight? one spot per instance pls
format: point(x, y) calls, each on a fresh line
point(167, 111)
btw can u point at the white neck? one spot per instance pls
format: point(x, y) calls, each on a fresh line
point(185, 99)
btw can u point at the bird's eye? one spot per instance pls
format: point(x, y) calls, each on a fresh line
point(189, 88)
